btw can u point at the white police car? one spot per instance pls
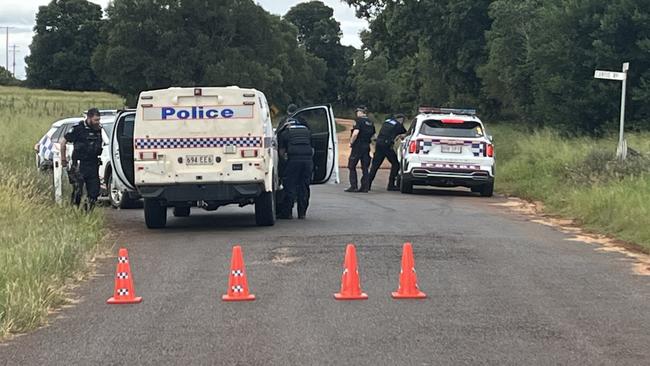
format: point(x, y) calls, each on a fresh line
point(209, 147)
point(119, 195)
point(447, 148)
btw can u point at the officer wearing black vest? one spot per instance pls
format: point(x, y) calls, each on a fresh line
point(362, 133)
point(294, 144)
point(391, 128)
point(84, 168)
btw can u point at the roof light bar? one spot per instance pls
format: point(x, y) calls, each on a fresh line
point(468, 112)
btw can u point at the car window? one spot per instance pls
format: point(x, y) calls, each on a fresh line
point(108, 127)
point(56, 136)
point(452, 129)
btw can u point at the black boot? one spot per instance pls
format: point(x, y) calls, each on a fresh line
point(352, 189)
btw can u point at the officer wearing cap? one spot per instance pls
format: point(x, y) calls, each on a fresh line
point(362, 133)
point(86, 138)
point(392, 127)
point(294, 145)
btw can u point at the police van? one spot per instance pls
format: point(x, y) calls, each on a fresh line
point(209, 147)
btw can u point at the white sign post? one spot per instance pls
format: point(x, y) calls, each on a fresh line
point(621, 149)
point(58, 172)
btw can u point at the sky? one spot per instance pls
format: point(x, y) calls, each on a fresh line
point(20, 15)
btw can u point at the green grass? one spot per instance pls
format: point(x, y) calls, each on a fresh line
point(42, 245)
point(579, 178)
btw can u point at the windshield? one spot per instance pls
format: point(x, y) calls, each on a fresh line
point(438, 128)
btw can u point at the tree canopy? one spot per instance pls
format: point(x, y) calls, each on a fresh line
point(67, 33)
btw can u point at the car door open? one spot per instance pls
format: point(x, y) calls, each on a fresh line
point(122, 149)
point(321, 122)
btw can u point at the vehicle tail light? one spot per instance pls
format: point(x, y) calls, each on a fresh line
point(413, 147)
point(148, 155)
point(489, 151)
point(249, 153)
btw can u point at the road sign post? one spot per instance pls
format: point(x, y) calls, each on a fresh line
point(621, 149)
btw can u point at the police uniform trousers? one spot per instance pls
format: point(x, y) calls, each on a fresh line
point(384, 151)
point(296, 181)
point(88, 176)
point(360, 152)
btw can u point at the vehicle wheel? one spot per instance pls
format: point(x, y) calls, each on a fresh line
point(487, 190)
point(118, 198)
point(155, 214)
point(182, 211)
point(476, 189)
point(265, 209)
point(405, 186)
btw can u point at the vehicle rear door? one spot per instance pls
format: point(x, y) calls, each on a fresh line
point(321, 122)
point(121, 149)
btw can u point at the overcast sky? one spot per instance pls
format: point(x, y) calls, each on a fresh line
point(21, 14)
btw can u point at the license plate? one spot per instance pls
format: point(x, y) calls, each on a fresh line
point(199, 160)
point(453, 149)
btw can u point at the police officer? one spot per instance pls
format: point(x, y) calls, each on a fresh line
point(362, 133)
point(84, 168)
point(392, 127)
point(294, 144)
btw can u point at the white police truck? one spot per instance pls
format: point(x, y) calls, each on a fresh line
point(447, 147)
point(208, 147)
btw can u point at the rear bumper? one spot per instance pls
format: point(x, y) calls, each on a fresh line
point(448, 177)
point(221, 193)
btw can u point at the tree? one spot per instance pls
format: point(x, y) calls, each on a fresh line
point(161, 43)
point(7, 79)
point(320, 34)
point(431, 48)
point(67, 33)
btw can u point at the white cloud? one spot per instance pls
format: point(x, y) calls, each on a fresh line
point(21, 15)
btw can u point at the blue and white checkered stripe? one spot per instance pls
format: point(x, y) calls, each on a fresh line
point(478, 149)
point(45, 148)
point(196, 142)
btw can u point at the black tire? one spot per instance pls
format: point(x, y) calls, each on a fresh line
point(405, 186)
point(265, 209)
point(118, 199)
point(182, 211)
point(487, 190)
point(155, 214)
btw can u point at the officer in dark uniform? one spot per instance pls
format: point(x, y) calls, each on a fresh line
point(362, 133)
point(391, 128)
point(84, 168)
point(294, 144)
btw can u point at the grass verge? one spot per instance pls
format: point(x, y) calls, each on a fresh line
point(42, 245)
point(579, 178)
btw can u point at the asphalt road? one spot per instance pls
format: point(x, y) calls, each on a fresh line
point(502, 291)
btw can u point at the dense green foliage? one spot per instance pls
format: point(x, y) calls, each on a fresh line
point(320, 34)
point(528, 60)
point(7, 79)
point(67, 33)
point(155, 44)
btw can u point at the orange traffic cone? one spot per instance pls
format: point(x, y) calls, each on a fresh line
point(350, 284)
point(408, 281)
point(124, 290)
point(237, 283)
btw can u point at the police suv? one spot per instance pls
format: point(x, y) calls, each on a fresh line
point(447, 148)
point(208, 147)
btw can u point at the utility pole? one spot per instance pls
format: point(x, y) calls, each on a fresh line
point(14, 50)
point(7, 45)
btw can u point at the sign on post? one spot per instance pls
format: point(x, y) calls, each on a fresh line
point(610, 75)
point(621, 149)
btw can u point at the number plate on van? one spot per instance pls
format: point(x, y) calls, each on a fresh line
point(199, 160)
